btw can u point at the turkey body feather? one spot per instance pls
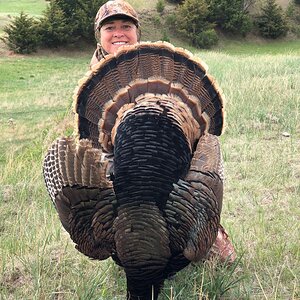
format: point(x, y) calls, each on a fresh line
point(157, 112)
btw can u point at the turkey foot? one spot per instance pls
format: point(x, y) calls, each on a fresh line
point(222, 249)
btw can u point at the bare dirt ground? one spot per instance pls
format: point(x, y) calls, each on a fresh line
point(283, 3)
point(5, 52)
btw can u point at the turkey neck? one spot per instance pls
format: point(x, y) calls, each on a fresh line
point(151, 153)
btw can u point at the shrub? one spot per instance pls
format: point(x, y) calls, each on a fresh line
point(21, 34)
point(239, 23)
point(230, 16)
point(272, 23)
point(192, 18)
point(206, 39)
point(293, 13)
point(160, 6)
point(156, 21)
point(79, 14)
point(293, 18)
point(171, 20)
point(165, 37)
point(54, 30)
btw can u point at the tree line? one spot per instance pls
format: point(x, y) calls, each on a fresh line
point(198, 21)
point(201, 21)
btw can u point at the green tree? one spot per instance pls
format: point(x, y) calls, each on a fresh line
point(272, 22)
point(293, 18)
point(21, 34)
point(63, 22)
point(230, 15)
point(80, 14)
point(192, 19)
point(207, 39)
point(54, 29)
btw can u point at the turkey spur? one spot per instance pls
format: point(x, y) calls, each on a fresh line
point(141, 180)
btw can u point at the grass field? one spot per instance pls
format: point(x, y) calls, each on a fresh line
point(33, 7)
point(261, 210)
point(261, 200)
point(11, 8)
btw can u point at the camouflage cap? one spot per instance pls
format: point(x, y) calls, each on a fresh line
point(114, 8)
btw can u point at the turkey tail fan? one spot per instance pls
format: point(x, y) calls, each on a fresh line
point(71, 164)
point(75, 177)
point(116, 81)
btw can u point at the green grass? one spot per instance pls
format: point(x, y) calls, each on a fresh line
point(261, 206)
point(272, 47)
point(33, 7)
point(34, 90)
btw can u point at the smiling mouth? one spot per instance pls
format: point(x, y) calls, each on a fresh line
point(120, 43)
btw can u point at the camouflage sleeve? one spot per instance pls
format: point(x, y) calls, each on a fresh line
point(97, 56)
point(94, 59)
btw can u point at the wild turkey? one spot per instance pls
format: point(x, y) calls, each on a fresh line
point(142, 180)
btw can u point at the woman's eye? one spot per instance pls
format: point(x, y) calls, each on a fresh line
point(109, 28)
point(127, 27)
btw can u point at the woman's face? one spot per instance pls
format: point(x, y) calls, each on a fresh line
point(117, 33)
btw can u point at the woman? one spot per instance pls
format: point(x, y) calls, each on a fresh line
point(116, 24)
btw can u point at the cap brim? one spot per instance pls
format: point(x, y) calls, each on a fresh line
point(135, 20)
